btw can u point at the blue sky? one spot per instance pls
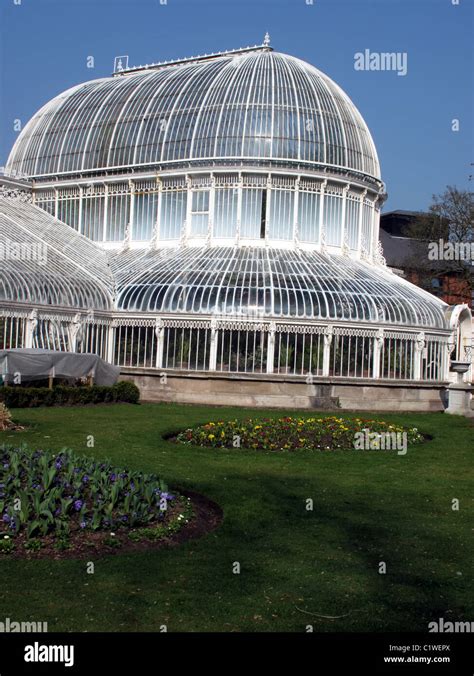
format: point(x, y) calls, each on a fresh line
point(45, 45)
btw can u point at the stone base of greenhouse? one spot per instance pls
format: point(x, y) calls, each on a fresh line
point(277, 391)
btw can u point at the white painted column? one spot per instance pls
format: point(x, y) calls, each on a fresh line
point(189, 210)
point(30, 328)
point(239, 208)
point(106, 212)
point(321, 210)
point(447, 349)
point(268, 206)
point(81, 211)
point(132, 209)
point(160, 342)
point(213, 346)
point(296, 227)
point(56, 203)
point(328, 336)
point(110, 350)
point(271, 347)
point(74, 332)
point(343, 215)
point(212, 206)
point(374, 234)
point(361, 217)
point(377, 351)
point(419, 348)
point(155, 235)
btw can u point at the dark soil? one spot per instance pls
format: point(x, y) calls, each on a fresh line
point(207, 516)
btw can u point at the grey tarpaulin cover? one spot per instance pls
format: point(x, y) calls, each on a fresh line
point(34, 364)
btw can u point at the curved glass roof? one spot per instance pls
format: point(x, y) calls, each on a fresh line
point(256, 105)
point(269, 282)
point(45, 262)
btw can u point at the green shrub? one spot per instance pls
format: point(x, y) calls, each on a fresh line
point(127, 391)
point(31, 397)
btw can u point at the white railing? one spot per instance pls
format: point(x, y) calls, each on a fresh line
point(235, 344)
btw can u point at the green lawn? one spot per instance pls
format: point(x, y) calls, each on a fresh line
point(296, 565)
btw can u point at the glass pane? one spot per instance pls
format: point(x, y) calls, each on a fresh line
point(200, 200)
point(251, 213)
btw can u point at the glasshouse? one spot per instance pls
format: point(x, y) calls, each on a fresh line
point(210, 225)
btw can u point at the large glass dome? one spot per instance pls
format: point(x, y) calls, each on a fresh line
point(250, 146)
point(253, 104)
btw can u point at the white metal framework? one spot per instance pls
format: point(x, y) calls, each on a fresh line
point(217, 213)
point(45, 263)
point(222, 207)
point(269, 282)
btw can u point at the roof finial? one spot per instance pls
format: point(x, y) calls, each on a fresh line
point(266, 41)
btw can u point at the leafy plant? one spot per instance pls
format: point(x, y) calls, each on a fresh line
point(62, 544)
point(6, 545)
point(163, 530)
point(43, 493)
point(112, 542)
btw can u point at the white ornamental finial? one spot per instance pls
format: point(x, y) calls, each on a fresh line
point(266, 41)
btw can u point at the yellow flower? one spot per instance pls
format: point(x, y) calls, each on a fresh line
point(211, 436)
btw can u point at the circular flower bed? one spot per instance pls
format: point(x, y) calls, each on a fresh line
point(290, 434)
point(63, 501)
